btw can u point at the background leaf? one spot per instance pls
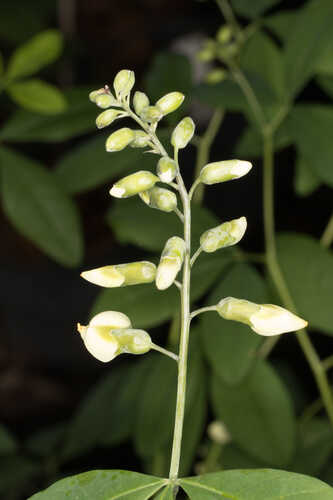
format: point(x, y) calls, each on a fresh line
point(39, 209)
point(231, 346)
point(79, 118)
point(102, 484)
point(308, 270)
point(254, 8)
point(309, 37)
point(250, 142)
point(305, 180)
point(41, 50)
point(261, 484)
point(8, 443)
point(38, 96)
point(310, 127)
point(16, 472)
point(259, 415)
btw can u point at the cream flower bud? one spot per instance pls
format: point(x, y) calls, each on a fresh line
point(170, 102)
point(140, 101)
point(106, 118)
point(215, 76)
point(124, 82)
point(222, 171)
point(264, 319)
point(218, 432)
point(133, 184)
point(104, 101)
point(119, 139)
point(183, 133)
point(151, 114)
point(160, 198)
point(141, 139)
point(133, 341)
point(98, 337)
point(227, 234)
point(170, 263)
point(133, 273)
point(96, 93)
point(166, 169)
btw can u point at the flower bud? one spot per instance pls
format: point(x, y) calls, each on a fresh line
point(218, 432)
point(104, 101)
point(123, 83)
point(207, 52)
point(170, 102)
point(222, 171)
point(98, 337)
point(133, 341)
point(160, 198)
point(134, 273)
point(151, 114)
point(96, 93)
point(224, 34)
point(119, 139)
point(133, 184)
point(106, 118)
point(215, 76)
point(183, 133)
point(141, 139)
point(225, 235)
point(166, 169)
point(265, 319)
point(140, 101)
point(170, 263)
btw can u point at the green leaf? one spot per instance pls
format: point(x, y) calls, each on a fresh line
point(8, 443)
point(308, 270)
point(165, 494)
point(259, 415)
point(310, 35)
point(310, 127)
point(1, 65)
point(281, 23)
point(233, 457)
point(107, 415)
point(39, 209)
point(305, 180)
point(254, 8)
point(168, 72)
point(41, 50)
point(147, 306)
point(43, 442)
point(102, 485)
point(36, 95)
point(89, 165)
point(150, 228)
point(156, 407)
point(326, 82)
point(263, 57)
point(315, 446)
point(261, 484)
point(231, 346)
point(78, 118)
point(250, 143)
point(16, 472)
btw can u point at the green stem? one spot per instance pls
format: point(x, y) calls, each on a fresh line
point(327, 237)
point(230, 18)
point(164, 351)
point(204, 146)
point(195, 256)
point(184, 333)
point(202, 310)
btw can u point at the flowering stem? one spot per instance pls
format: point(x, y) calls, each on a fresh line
point(327, 237)
point(195, 255)
point(202, 310)
point(164, 351)
point(184, 333)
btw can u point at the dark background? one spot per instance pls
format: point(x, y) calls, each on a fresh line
point(44, 369)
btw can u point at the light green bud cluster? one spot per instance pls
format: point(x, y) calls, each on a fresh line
point(170, 263)
point(123, 83)
point(134, 273)
point(264, 319)
point(141, 139)
point(107, 117)
point(160, 198)
point(223, 171)
point(151, 114)
point(170, 102)
point(224, 34)
point(104, 101)
point(109, 334)
point(216, 76)
point(140, 102)
point(207, 51)
point(225, 235)
point(166, 169)
point(183, 133)
point(119, 139)
point(133, 184)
